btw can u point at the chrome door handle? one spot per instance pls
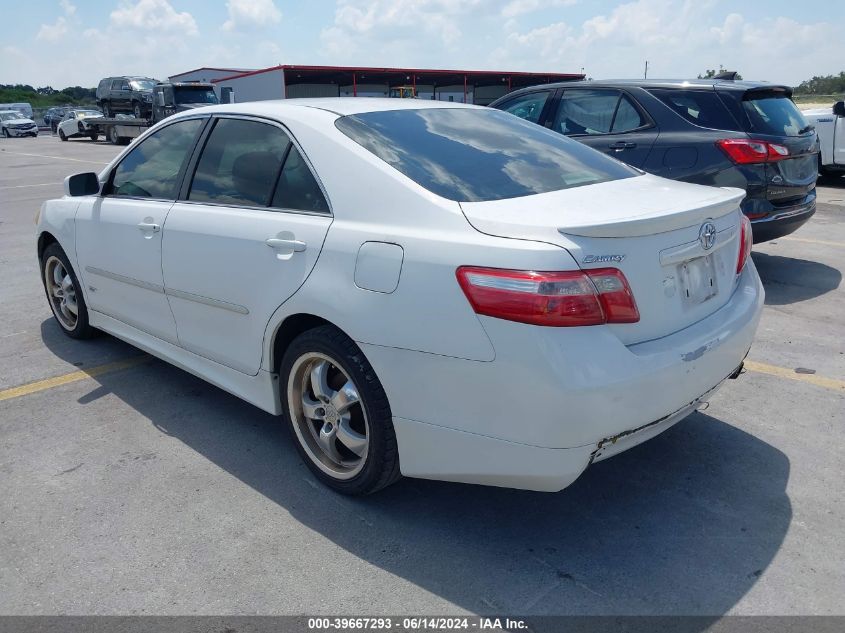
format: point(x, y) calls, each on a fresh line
point(149, 226)
point(295, 245)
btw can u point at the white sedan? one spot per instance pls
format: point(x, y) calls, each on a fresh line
point(74, 124)
point(417, 288)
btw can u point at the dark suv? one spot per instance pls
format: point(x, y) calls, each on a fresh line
point(126, 94)
point(712, 132)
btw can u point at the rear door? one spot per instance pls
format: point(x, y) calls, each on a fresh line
point(120, 93)
point(608, 120)
point(243, 238)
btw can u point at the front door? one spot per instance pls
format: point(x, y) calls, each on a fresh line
point(119, 234)
point(243, 240)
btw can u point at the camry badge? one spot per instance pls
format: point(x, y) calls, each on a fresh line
point(707, 235)
point(597, 259)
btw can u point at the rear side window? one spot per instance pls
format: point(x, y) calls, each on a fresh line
point(699, 107)
point(240, 163)
point(473, 155)
point(528, 107)
point(297, 188)
point(153, 167)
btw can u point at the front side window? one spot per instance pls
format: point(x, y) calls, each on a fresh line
point(152, 169)
point(528, 107)
point(240, 164)
point(586, 111)
point(473, 155)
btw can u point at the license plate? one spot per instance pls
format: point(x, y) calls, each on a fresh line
point(698, 279)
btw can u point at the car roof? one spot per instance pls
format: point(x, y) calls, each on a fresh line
point(721, 84)
point(340, 106)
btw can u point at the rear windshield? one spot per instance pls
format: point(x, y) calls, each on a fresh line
point(195, 95)
point(770, 113)
point(474, 155)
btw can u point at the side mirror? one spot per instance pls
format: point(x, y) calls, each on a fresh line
point(82, 185)
point(160, 99)
point(839, 108)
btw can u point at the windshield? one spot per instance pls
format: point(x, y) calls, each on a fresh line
point(142, 84)
point(82, 114)
point(474, 155)
point(195, 95)
point(11, 116)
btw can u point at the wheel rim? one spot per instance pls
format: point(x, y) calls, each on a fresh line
point(328, 415)
point(137, 111)
point(62, 293)
point(113, 134)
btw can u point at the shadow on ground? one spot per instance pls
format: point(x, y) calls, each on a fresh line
point(831, 180)
point(684, 524)
point(790, 280)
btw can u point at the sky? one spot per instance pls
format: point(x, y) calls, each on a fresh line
point(77, 42)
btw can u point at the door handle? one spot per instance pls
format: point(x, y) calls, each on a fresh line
point(149, 226)
point(294, 245)
point(620, 145)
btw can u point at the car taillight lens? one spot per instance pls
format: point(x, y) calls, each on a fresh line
point(558, 299)
point(745, 151)
point(745, 241)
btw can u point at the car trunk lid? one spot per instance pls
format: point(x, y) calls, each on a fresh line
point(648, 227)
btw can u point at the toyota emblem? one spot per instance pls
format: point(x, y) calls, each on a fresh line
point(707, 235)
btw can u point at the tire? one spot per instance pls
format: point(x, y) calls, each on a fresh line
point(136, 110)
point(113, 137)
point(62, 135)
point(64, 294)
point(6, 133)
point(349, 447)
point(93, 136)
point(107, 111)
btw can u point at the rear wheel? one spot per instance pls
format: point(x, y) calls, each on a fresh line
point(93, 136)
point(107, 111)
point(136, 110)
point(338, 413)
point(64, 293)
point(114, 139)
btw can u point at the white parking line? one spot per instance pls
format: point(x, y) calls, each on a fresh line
point(75, 160)
point(43, 184)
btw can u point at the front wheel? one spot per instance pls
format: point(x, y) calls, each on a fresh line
point(62, 135)
point(338, 413)
point(137, 111)
point(64, 293)
point(6, 133)
point(107, 111)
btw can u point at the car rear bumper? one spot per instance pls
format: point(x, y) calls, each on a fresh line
point(555, 399)
point(771, 221)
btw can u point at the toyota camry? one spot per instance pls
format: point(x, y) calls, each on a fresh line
point(417, 288)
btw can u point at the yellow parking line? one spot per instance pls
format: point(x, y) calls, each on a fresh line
point(809, 241)
point(57, 381)
point(783, 372)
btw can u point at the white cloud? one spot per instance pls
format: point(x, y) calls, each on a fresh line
point(53, 32)
point(67, 7)
point(520, 7)
point(251, 14)
point(153, 15)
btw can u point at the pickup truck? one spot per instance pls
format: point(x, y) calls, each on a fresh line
point(830, 126)
point(167, 98)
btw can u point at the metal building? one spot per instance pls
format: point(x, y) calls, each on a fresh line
point(291, 81)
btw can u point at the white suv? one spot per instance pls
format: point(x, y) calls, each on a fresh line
point(13, 123)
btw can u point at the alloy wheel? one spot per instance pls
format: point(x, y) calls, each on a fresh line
point(61, 292)
point(328, 415)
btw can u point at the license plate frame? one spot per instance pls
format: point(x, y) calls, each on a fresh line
point(698, 280)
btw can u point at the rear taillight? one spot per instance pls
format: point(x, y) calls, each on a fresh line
point(745, 240)
point(745, 151)
point(558, 299)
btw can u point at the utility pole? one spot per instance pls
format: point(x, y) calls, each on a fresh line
point(645, 73)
